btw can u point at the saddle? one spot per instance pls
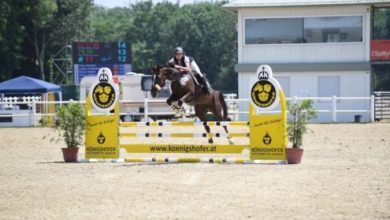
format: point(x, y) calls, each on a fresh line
point(194, 76)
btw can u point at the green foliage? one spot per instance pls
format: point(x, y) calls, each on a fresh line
point(205, 31)
point(31, 31)
point(301, 114)
point(381, 24)
point(45, 121)
point(381, 77)
point(12, 37)
point(151, 33)
point(52, 24)
point(214, 43)
point(71, 123)
point(109, 24)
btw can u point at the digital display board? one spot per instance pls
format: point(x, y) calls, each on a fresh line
point(89, 57)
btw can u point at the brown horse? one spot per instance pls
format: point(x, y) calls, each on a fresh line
point(185, 90)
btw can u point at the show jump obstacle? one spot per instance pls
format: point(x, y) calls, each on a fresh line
point(267, 128)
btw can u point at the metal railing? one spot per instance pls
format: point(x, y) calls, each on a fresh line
point(382, 105)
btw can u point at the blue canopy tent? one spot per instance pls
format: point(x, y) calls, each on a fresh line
point(25, 84)
point(28, 85)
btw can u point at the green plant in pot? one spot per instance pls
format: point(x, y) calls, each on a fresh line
point(70, 123)
point(301, 113)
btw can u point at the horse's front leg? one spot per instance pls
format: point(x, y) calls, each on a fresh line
point(176, 108)
point(170, 100)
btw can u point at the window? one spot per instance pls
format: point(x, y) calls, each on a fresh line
point(333, 29)
point(304, 30)
point(273, 31)
point(328, 86)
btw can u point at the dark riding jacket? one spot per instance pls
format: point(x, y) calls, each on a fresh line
point(184, 61)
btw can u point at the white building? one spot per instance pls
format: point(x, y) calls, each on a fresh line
point(317, 48)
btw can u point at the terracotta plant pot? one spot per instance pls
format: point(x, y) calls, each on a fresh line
point(294, 155)
point(70, 154)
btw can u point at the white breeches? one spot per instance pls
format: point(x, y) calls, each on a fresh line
point(195, 68)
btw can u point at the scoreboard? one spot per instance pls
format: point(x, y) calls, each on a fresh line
point(89, 57)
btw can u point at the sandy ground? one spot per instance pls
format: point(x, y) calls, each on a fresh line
point(345, 174)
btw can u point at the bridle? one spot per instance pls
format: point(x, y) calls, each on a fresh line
point(160, 73)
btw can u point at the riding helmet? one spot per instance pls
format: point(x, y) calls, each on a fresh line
point(179, 50)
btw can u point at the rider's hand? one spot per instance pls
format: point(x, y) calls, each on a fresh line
point(180, 68)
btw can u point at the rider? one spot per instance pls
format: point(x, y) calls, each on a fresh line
point(185, 63)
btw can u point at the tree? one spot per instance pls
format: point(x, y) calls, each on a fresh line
point(51, 24)
point(12, 36)
point(204, 30)
point(216, 50)
point(150, 34)
point(109, 24)
point(381, 24)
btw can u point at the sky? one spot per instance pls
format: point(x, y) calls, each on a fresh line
point(125, 3)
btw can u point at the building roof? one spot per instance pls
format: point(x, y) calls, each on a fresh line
point(234, 5)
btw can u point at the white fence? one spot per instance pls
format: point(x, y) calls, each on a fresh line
point(330, 110)
point(336, 109)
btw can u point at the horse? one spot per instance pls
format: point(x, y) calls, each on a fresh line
point(185, 90)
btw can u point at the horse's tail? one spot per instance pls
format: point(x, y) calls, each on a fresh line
point(222, 103)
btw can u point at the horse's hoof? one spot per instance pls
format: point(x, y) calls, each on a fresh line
point(211, 141)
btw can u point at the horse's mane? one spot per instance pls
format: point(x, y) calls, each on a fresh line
point(169, 70)
point(168, 66)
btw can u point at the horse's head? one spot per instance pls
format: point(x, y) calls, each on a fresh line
point(161, 73)
point(158, 79)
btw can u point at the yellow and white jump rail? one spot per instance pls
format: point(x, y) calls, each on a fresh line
point(267, 129)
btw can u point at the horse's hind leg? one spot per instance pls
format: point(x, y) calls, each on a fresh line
point(220, 118)
point(218, 113)
point(208, 132)
point(200, 112)
point(227, 133)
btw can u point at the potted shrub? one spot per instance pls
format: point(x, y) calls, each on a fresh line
point(70, 123)
point(301, 114)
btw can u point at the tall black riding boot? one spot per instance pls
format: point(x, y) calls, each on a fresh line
point(205, 85)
